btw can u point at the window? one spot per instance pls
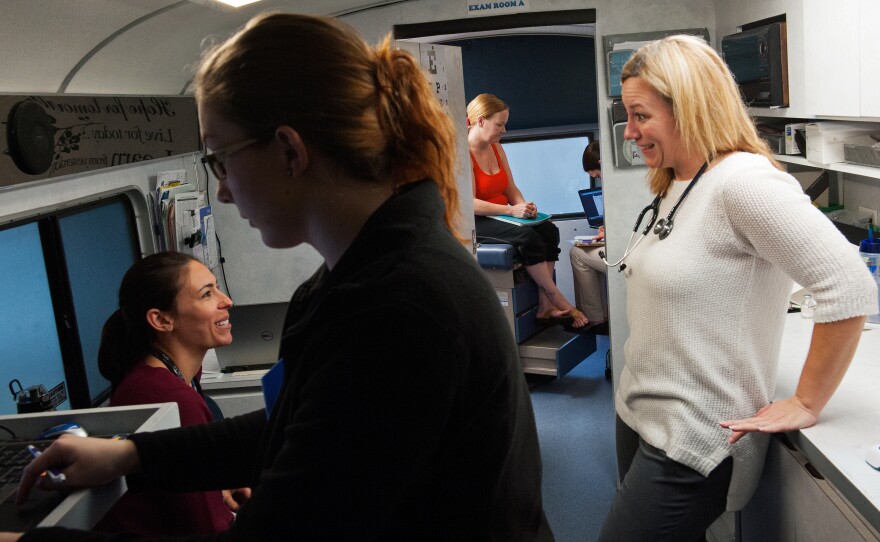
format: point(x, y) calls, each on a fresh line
point(66, 269)
point(549, 83)
point(31, 352)
point(550, 172)
point(99, 246)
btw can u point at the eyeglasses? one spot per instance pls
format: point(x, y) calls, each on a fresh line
point(215, 159)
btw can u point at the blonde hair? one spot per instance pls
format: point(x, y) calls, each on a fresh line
point(370, 110)
point(706, 103)
point(484, 105)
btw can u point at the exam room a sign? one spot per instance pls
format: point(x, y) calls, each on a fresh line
point(50, 136)
point(497, 7)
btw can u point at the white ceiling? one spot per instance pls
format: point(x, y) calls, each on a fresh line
point(123, 46)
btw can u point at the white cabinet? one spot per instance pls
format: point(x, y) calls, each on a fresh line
point(841, 58)
point(794, 502)
point(831, 58)
point(869, 58)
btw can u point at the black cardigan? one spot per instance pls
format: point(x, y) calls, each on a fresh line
point(404, 413)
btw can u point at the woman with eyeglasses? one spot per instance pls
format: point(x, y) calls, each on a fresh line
point(401, 410)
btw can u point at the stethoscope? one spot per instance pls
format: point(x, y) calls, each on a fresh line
point(662, 227)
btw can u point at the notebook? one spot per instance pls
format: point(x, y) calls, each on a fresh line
point(594, 206)
point(256, 337)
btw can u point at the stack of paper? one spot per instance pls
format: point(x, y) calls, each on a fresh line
point(184, 222)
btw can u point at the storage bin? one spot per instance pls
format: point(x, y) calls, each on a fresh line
point(863, 151)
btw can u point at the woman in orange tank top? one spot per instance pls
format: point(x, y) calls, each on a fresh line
point(495, 193)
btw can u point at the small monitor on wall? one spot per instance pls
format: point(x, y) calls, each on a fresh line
point(759, 62)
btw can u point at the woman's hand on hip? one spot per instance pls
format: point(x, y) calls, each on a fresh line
point(777, 417)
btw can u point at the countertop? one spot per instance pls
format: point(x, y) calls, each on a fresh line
point(850, 422)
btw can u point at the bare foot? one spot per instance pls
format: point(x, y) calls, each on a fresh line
point(554, 313)
point(580, 320)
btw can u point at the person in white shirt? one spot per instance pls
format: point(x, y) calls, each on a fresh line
point(693, 401)
point(588, 271)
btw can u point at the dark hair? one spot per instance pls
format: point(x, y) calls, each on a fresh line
point(591, 157)
point(151, 283)
point(369, 110)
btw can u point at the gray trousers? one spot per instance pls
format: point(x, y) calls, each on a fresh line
point(588, 274)
point(661, 499)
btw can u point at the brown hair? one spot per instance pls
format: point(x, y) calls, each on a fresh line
point(706, 103)
point(590, 158)
point(127, 338)
point(370, 110)
point(484, 105)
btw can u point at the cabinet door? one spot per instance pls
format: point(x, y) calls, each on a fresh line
point(831, 54)
point(869, 58)
point(794, 503)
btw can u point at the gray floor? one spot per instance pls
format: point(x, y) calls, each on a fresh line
point(575, 418)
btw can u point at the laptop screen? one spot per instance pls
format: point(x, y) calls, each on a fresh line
point(594, 206)
point(256, 337)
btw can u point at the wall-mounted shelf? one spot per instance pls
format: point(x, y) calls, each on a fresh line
point(843, 167)
point(789, 113)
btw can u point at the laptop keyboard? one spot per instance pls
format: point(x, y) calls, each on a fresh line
point(14, 456)
point(254, 369)
point(249, 372)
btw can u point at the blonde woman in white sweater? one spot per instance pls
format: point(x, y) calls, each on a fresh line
point(693, 402)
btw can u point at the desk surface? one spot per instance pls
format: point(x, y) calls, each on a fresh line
point(850, 423)
point(83, 508)
point(213, 379)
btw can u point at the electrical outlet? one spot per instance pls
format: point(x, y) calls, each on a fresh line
point(870, 212)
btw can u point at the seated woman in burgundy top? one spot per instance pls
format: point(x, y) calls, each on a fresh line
point(171, 312)
point(495, 193)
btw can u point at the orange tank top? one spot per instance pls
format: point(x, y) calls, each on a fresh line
point(490, 188)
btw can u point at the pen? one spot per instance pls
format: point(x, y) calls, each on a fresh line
point(55, 475)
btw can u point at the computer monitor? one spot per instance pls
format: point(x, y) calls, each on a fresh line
point(594, 206)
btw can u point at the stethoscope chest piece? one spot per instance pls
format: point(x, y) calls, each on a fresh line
point(663, 228)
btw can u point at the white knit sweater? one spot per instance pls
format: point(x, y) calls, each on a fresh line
point(706, 309)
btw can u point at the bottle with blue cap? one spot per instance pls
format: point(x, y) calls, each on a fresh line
point(869, 249)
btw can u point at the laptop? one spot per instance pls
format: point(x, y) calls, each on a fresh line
point(13, 458)
point(256, 337)
point(79, 509)
point(594, 206)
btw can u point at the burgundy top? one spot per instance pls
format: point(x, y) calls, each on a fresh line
point(158, 513)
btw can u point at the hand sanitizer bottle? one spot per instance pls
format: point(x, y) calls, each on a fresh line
point(808, 307)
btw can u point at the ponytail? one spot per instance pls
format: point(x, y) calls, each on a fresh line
point(370, 110)
point(421, 136)
point(120, 349)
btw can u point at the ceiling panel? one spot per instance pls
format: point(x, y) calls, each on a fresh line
point(147, 50)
